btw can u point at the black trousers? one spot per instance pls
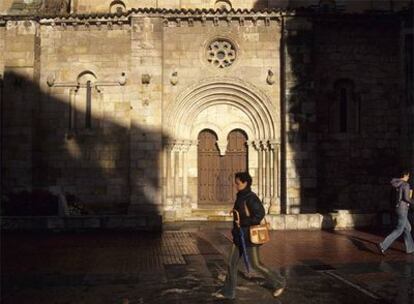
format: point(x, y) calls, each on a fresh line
point(273, 278)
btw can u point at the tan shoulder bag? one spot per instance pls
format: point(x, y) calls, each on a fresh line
point(259, 234)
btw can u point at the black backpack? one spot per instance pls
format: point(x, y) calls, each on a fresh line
point(395, 196)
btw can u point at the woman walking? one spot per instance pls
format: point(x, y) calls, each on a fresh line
point(246, 199)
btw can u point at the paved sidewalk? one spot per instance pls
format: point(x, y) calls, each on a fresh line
point(186, 267)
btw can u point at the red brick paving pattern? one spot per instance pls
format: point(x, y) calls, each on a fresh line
point(92, 253)
point(289, 248)
point(101, 253)
point(112, 264)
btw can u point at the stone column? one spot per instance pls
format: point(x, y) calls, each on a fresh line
point(168, 171)
point(275, 207)
point(263, 167)
point(175, 164)
point(185, 147)
point(267, 169)
point(186, 203)
point(256, 144)
point(266, 175)
point(177, 177)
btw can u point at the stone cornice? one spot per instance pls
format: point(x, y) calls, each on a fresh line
point(190, 15)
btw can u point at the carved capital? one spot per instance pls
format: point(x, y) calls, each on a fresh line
point(222, 145)
point(264, 145)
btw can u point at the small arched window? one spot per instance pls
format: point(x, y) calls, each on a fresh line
point(117, 7)
point(86, 93)
point(345, 109)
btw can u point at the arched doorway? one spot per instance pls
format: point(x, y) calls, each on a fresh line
point(193, 181)
point(215, 172)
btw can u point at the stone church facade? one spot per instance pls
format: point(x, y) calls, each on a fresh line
point(156, 104)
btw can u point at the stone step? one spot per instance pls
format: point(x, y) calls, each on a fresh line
point(220, 218)
point(334, 220)
point(208, 218)
point(209, 212)
point(215, 206)
point(196, 225)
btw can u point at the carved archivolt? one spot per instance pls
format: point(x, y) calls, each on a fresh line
point(228, 91)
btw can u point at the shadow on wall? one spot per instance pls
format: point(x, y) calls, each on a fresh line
point(114, 161)
point(348, 166)
point(358, 151)
point(298, 185)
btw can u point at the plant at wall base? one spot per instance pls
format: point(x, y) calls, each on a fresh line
point(55, 6)
point(75, 205)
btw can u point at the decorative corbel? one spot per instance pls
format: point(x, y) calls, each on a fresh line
point(51, 78)
point(146, 79)
point(228, 19)
point(174, 78)
point(270, 77)
point(122, 79)
point(215, 21)
point(254, 20)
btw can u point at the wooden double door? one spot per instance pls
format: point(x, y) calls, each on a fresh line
point(215, 172)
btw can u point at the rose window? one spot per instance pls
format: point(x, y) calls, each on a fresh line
point(221, 53)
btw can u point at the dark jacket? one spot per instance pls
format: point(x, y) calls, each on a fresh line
point(403, 190)
point(257, 213)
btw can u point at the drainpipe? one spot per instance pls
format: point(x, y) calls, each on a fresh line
point(283, 184)
point(1, 137)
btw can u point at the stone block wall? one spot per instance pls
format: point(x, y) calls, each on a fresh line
point(185, 52)
point(146, 115)
point(300, 179)
point(407, 103)
point(92, 163)
point(93, 6)
point(46, 65)
point(355, 165)
point(87, 6)
point(349, 5)
point(18, 43)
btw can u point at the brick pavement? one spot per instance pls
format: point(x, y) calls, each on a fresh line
point(186, 267)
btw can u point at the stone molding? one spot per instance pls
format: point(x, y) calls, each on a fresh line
point(190, 17)
point(172, 18)
point(179, 145)
point(222, 90)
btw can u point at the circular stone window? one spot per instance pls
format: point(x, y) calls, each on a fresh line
point(221, 53)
